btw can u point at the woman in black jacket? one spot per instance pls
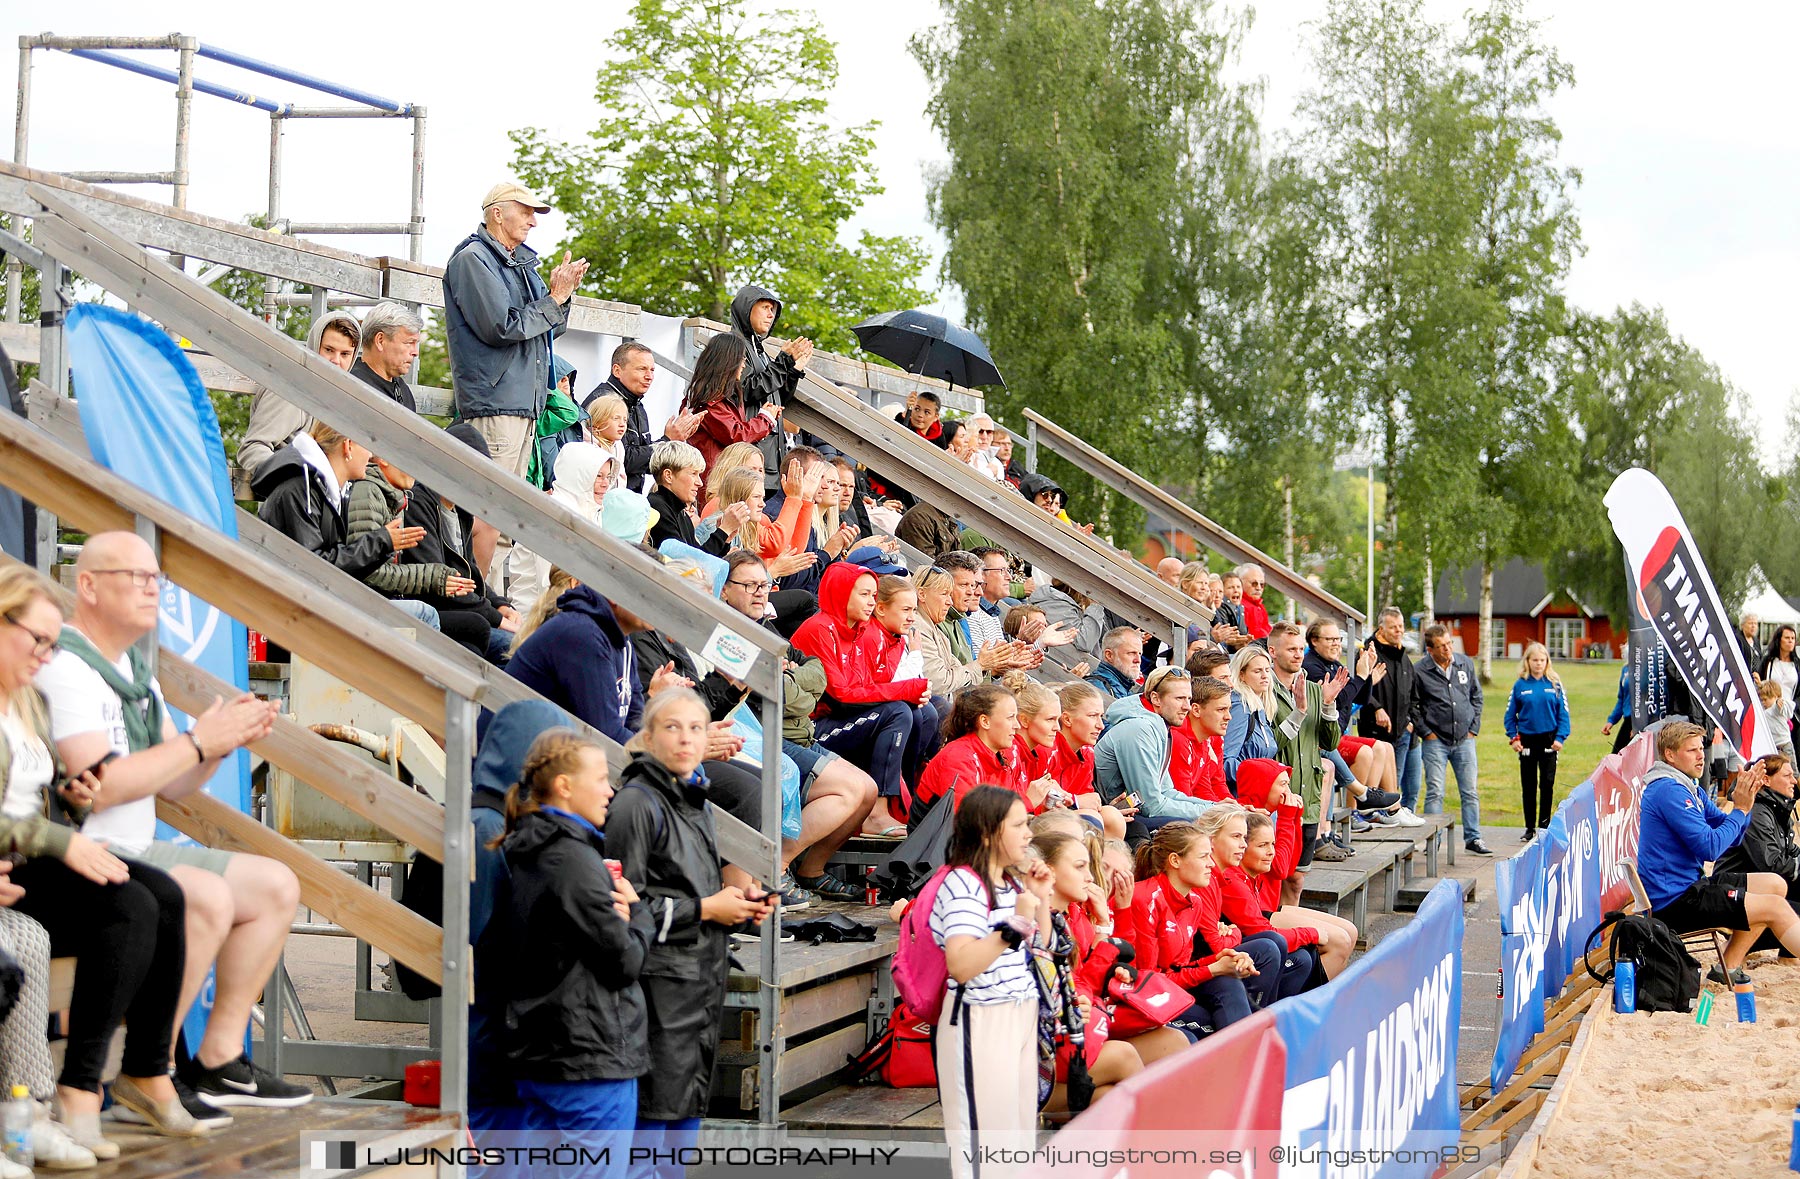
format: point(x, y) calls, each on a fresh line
point(302, 493)
point(574, 1010)
point(660, 830)
point(1768, 843)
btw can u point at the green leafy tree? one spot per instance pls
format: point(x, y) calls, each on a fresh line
point(714, 165)
point(1078, 134)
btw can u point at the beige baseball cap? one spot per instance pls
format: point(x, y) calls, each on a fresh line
point(512, 190)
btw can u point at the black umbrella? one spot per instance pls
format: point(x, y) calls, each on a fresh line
point(929, 345)
point(921, 853)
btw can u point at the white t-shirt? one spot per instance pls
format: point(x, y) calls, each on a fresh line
point(1787, 675)
point(29, 777)
point(962, 908)
point(80, 702)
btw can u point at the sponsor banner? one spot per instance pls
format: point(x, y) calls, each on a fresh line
point(1649, 681)
point(1521, 890)
point(1371, 1068)
point(1575, 874)
point(1678, 598)
point(1618, 782)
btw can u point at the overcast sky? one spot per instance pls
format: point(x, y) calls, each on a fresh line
point(1682, 121)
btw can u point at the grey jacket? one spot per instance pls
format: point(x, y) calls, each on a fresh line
point(1446, 704)
point(499, 320)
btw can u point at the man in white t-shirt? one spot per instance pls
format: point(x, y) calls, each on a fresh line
point(239, 907)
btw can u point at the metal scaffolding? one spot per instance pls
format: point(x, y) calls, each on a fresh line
point(367, 106)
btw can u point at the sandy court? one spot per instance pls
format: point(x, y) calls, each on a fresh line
point(1661, 1090)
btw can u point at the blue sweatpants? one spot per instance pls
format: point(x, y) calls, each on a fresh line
point(656, 1135)
point(595, 1116)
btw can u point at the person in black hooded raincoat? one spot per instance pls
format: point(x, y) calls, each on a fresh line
point(766, 381)
point(659, 829)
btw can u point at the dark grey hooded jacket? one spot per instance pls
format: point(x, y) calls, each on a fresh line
point(499, 321)
point(767, 380)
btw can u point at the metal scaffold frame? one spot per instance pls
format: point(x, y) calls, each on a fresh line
point(367, 106)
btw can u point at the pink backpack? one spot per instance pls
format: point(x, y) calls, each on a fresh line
point(920, 972)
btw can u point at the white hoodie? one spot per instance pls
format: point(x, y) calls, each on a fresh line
point(578, 465)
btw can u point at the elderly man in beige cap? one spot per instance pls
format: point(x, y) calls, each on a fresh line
point(500, 319)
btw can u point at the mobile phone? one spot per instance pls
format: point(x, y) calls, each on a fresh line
point(95, 769)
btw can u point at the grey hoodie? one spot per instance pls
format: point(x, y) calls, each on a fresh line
point(274, 422)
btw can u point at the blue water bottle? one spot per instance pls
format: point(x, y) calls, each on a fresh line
point(1625, 986)
point(1746, 1003)
point(1794, 1150)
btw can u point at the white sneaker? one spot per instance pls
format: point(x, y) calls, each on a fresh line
point(12, 1170)
point(1406, 818)
point(54, 1149)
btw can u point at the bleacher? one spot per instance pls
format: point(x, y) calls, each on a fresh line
point(793, 1014)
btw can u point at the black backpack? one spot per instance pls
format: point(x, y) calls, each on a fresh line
point(1668, 977)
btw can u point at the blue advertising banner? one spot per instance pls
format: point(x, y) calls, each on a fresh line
point(1581, 910)
point(148, 419)
point(1519, 890)
point(1372, 1058)
point(1554, 839)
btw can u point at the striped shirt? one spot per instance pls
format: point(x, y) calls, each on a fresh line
point(961, 909)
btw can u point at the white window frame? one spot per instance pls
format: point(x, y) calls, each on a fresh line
point(1497, 636)
point(1560, 638)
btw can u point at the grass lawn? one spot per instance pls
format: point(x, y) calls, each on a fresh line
point(1592, 689)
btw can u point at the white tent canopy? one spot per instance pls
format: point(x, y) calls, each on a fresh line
point(1767, 604)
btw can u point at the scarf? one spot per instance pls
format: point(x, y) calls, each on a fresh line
point(142, 709)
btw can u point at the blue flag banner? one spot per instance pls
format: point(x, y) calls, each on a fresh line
point(1580, 914)
point(148, 419)
point(1372, 1058)
point(1520, 890)
point(1554, 839)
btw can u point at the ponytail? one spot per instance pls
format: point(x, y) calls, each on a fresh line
point(1172, 839)
point(555, 753)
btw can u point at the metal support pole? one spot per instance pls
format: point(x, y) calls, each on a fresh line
point(15, 272)
point(416, 246)
point(772, 1037)
point(184, 121)
point(1031, 446)
point(273, 218)
point(459, 868)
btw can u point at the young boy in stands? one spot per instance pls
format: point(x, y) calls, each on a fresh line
point(1681, 830)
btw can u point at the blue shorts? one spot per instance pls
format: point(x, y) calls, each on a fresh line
point(810, 759)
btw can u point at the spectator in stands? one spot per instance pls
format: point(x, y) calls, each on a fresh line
point(273, 421)
point(1131, 759)
point(923, 416)
point(104, 700)
point(676, 472)
point(978, 626)
point(1168, 571)
point(1003, 450)
point(1229, 628)
point(633, 372)
point(928, 530)
point(1256, 615)
point(1251, 732)
point(801, 462)
point(1042, 491)
point(1680, 831)
point(979, 750)
point(886, 725)
point(72, 896)
point(853, 500)
point(658, 830)
point(1040, 754)
point(1196, 759)
point(1224, 824)
point(583, 475)
point(940, 641)
point(1241, 904)
point(985, 912)
point(1170, 868)
point(1781, 664)
point(452, 537)
point(1446, 715)
point(1363, 765)
point(381, 498)
point(575, 1012)
point(1768, 843)
point(1306, 725)
point(390, 344)
point(558, 424)
point(837, 796)
point(739, 456)
point(1749, 628)
point(754, 311)
point(1776, 716)
point(499, 321)
point(1387, 713)
point(1066, 607)
point(609, 420)
point(984, 460)
point(996, 582)
point(742, 490)
point(1537, 723)
point(717, 393)
point(1082, 720)
point(304, 489)
point(1121, 652)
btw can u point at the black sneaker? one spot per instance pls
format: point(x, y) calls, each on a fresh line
point(1477, 848)
point(1378, 800)
point(242, 1082)
point(1738, 977)
point(208, 1117)
point(1528, 836)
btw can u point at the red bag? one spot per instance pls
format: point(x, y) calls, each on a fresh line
point(909, 1063)
point(1149, 1004)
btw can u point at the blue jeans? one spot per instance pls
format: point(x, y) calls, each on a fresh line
point(1228, 999)
point(499, 648)
point(657, 1135)
point(1410, 768)
point(1344, 776)
point(1460, 754)
point(594, 1115)
point(418, 610)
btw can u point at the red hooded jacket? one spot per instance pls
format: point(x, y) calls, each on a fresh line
point(1164, 935)
point(1256, 777)
point(829, 637)
point(878, 652)
point(1256, 618)
point(1243, 907)
point(966, 763)
point(1196, 766)
point(1072, 768)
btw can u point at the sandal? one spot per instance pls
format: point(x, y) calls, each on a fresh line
point(827, 887)
point(892, 831)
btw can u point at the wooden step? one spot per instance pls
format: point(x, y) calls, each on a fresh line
point(1411, 896)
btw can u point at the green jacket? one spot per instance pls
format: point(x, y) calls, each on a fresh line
point(40, 834)
point(373, 502)
point(953, 629)
point(1302, 736)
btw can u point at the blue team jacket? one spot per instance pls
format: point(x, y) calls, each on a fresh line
point(1679, 831)
point(1537, 705)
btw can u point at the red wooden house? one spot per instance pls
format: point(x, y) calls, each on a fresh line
point(1526, 610)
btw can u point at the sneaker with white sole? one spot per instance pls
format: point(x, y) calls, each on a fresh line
point(12, 1170)
point(208, 1117)
point(242, 1082)
point(1406, 818)
point(53, 1149)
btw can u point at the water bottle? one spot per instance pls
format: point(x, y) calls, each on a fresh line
point(1746, 1002)
point(21, 1111)
point(1625, 986)
point(1794, 1150)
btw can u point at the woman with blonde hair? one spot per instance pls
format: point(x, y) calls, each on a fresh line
point(768, 538)
point(545, 607)
point(608, 419)
point(1537, 724)
point(739, 456)
point(1251, 733)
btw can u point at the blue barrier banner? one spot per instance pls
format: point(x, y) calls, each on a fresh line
point(148, 419)
point(1372, 1058)
point(1581, 910)
point(1554, 839)
point(1519, 890)
point(1515, 1030)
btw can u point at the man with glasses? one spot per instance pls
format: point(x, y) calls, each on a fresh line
point(983, 459)
point(104, 701)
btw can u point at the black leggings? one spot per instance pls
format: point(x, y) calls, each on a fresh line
point(1537, 778)
point(131, 944)
point(736, 790)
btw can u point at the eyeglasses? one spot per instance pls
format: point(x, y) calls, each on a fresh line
point(754, 587)
point(40, 644)
point(1331, 638)
point(996, 569)
point(1156, 678)
point(140, 578)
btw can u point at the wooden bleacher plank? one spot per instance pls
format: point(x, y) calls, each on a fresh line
point(1506, 1121)
point(858, 1107)
point(802, 964)
point(376, 919)
point(1541, 1068)
point(271, 1141)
